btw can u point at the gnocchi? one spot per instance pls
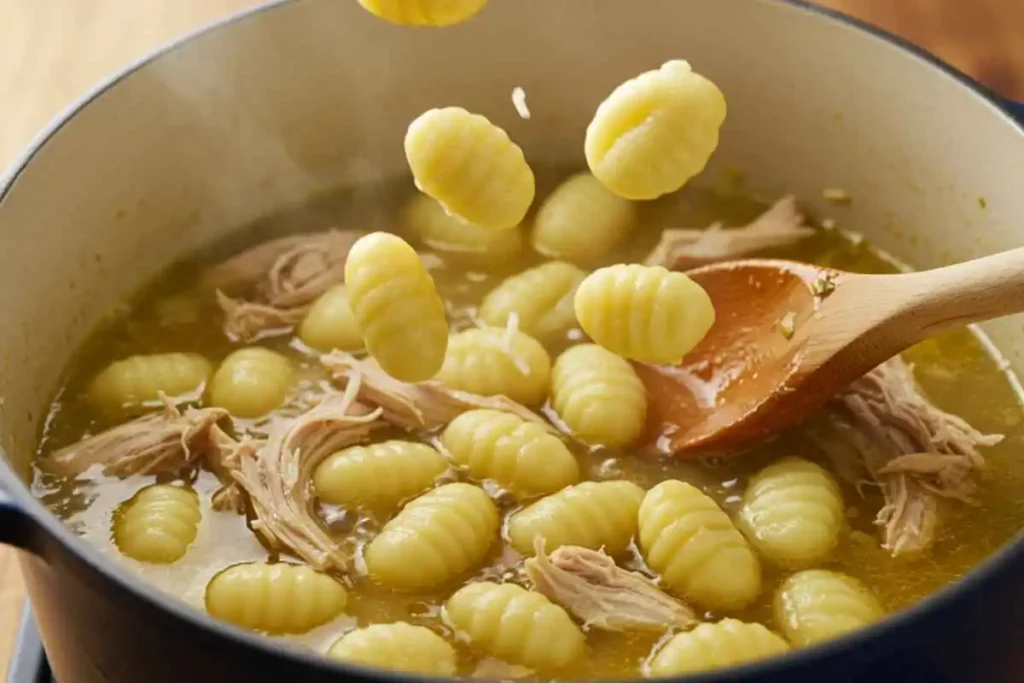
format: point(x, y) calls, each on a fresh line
point(424, 12)
point(133, 382)
point(692, 544)
point(655, 132)
point(471, 166)
point(379, 475)
point(158, 524)
point(816, 605)
point(491, 361)
point(591, 514)
point(397, 307)
point(436, 537)
point(275, 598)
point(470, 244)
point(644, 313)
point(713, 646)
point(540, 299)
point(582, 221)
point(514, 625)
point(251, 382)
point(598, 396)
point(330, 324)
point(521, 456)
point(399, 647)
point(792, 512)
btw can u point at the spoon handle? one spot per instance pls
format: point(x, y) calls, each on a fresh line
point(934, 301)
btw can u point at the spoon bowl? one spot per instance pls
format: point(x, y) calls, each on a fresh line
point(788, 336)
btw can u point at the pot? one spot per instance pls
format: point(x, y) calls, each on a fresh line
point(269, 108)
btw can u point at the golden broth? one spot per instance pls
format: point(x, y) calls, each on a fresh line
point(173, 314)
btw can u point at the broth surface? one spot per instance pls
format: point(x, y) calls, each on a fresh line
point(957, 371)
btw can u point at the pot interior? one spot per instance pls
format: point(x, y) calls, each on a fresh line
point(301, 98)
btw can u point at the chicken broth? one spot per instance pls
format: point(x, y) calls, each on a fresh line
point(178, 313)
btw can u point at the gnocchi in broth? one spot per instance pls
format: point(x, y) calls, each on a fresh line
point(427, 448)
point(441, 501)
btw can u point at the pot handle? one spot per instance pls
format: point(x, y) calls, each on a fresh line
point(17, 528)
point(1016, 110)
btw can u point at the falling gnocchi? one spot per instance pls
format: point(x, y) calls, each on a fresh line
point(655, 132)
point(471, 167)
point(396, 306)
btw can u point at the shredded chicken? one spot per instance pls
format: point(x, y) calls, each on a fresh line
point(681, 249)
point(591, 586)
point(224, 457)
point(891, 435)
point(164, 442)
point(426, 405)
point(277, 477)
point(285, 276)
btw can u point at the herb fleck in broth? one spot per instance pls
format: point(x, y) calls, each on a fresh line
point(175, 314)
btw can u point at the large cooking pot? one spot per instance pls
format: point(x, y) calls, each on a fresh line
point(263, 111)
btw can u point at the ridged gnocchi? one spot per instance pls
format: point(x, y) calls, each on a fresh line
point(541, 298)
point(398, 647)
point(692, 544)
point(515, 625)
point(644, 313)
point(138, 380)
point(330, 324)
point(471, 166)
point(816, 605)
point(397, 307)
point(424, 12)
point(158, 524)
point(582, 221)
point(436, 537)
point(598, 396)
point(792, 512)
point(714, 646)
point(251, 382)
point(655, 132)
point(379, 475)
point(426, 218)
point(591, 514)
point(275, 598)
point(523, 457)
point(491, 361)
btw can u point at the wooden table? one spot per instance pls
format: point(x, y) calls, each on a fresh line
point(52, 51)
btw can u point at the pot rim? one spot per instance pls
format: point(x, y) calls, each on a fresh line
point(999, 562)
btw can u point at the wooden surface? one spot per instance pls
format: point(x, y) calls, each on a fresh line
point(52, 51)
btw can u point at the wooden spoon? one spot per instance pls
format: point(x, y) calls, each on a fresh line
point(788, 336)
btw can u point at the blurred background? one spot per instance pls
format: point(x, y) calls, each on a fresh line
point(53, 51)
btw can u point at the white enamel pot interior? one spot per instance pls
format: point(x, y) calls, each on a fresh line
point(257, 114)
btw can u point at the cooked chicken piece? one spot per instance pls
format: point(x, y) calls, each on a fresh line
point(164, 442)
point(426, 405)
point(591, 586)
point(223, 458)
point(885, 431)
point(681, 249)
point(285, 276)
point(278, 476)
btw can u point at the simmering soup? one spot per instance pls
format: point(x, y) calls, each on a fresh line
point(229, 449)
